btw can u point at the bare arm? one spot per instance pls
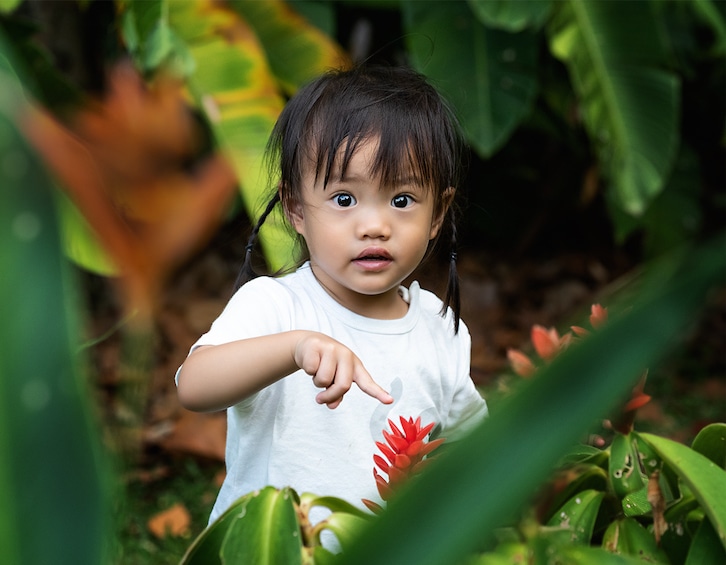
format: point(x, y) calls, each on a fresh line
point(216, 377)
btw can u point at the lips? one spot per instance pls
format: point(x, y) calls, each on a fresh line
point(374, 254)
point(373, 259)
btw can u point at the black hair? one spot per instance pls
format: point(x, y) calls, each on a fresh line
point(327, 120)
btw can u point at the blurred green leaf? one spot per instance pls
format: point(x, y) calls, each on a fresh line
point(239, 95)
point(629, 103)
point(511, 15)
point(7, 6)
point(295, 50)
point(485, 479)
point(488, 75)
point(54, 499)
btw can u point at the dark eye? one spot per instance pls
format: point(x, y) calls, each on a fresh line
point(401, 201)
point(344, 200)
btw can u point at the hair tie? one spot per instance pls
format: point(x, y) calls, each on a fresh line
point(453, 256)
point(249, 247)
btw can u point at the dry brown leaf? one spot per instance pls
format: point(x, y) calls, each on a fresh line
point(198, 434)
point(657, 503)
point(173, 521)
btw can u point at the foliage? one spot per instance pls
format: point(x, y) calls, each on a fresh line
point(561, 68)
point(607, 82)
point(50, 458)
point(643, 497)
point(275, 525)
point(494, 472)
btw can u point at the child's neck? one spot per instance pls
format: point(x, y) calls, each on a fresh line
point(387, 306)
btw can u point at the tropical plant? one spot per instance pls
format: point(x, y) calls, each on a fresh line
point(606, 84)
point(628, 66)
point(594, 77)
point(641, 498)
point(274, 525)
point(50, 451)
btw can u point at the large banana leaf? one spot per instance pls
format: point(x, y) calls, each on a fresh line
point(235, 88)
point(629, 103)
point(488, 75)
point(512, 15)
point(54, 505)
point(296, 50)
point(482, 482)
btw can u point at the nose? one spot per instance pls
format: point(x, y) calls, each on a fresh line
point(373, 223)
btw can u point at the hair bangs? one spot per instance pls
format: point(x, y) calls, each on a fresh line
point(413, 127)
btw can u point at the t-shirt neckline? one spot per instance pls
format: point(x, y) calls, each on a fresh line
point(352, 319)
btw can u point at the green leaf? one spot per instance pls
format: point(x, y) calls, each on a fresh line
point(702, 476)
point(484, 480)
point(511, 15)
point(53, 478)
point(207, 546)
point(488, 75)
point(628, 537)
point(80, 242)
point(333, 504)
point(235, 88)
point(705, 547)
point(576, 555)
point(578, 515)
point(7, 6)
point(505, 554)
point(346, 527)
point(711, 442)
point(295, 50)
point(590, 477)
point(625, 475)
point(636, 503)
point(710, 14)
point(266, 532)
point(629, 104)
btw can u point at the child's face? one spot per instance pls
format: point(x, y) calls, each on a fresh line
point(364, 239)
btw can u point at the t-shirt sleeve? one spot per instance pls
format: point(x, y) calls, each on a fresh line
point(468, 408)
point(260, 307)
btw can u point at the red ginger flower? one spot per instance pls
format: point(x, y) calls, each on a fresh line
point(547, 343)
point(404, 455)
point(598, 318)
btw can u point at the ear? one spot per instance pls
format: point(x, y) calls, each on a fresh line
point(447, 198)
point(293, 210)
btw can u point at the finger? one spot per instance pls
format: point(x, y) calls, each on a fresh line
point(366, 383)
point(325, 372)
point(340, 385)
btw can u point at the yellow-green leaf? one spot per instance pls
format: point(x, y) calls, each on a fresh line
point(240, 97)
point(296, 50)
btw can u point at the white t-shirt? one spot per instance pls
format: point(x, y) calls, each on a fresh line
point(281, 437)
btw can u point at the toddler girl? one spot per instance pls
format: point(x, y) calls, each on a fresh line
point(310, 365)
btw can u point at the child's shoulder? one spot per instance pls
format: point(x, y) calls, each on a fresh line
point(431, 307)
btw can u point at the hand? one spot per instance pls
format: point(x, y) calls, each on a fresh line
point(335, 368)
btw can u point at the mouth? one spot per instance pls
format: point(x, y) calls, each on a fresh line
point(373, 259)
point(374, 255)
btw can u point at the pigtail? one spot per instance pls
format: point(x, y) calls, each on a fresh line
point(452, 298)
point(247, 272)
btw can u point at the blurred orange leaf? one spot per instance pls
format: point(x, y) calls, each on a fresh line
point(173, 521)
point(130, 162)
